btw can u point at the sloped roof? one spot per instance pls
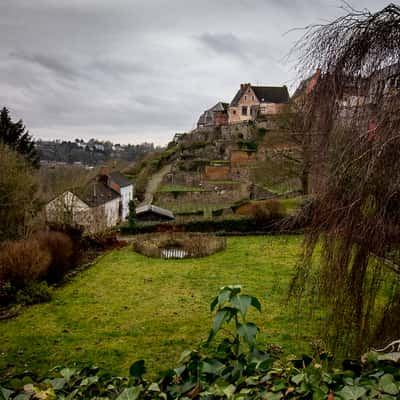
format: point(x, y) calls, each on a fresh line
point(96, 193)
point(220, 106)
point(271, 94)
point(155, 209)
point(208, 117)
point(120, 179)
point(265, 94)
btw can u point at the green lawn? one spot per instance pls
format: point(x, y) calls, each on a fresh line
point(292, 204)
point(127, 307)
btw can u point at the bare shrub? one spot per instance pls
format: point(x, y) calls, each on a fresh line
point(61, 249)
point(103, 239)
point(23, 261)
point(263, 212)
point(195, 245)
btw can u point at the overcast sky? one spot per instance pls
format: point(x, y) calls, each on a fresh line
point(131, 71)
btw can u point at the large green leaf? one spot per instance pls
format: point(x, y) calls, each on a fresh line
point(248, 332)
point(89, 380)
point(5, 393)
point(131, 393)
point(387, 385)
point(220, 317)
point(67, 373)
point(255, 303)
point(214, 367)
point(352, 392)
point(213, 303)
point(58, 383)
point(298, 378)
point(229, 391)
point(224, 296)
point(137, 369)
point(241, 302)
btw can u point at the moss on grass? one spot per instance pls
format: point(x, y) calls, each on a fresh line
point(127, 307)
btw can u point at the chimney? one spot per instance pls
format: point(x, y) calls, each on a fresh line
point(104, 170)
point(103, 175)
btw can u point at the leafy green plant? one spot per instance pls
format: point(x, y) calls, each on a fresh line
point(34, 293)
point(132, 214)
point(236, 370)
point(232, 305)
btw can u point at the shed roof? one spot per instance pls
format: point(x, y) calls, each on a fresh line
point(155, 209)
point(120, 179)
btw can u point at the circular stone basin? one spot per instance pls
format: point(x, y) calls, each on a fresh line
point(172, 245)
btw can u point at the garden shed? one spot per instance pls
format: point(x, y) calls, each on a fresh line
point(152, 213)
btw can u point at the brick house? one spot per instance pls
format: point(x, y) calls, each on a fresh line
point(215, 116)
point(251, 101)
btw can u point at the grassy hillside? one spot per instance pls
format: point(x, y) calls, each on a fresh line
point(128, 307)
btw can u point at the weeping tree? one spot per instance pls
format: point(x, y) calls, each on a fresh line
point(352, 116)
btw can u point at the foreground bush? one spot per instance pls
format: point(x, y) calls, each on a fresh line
point(26, 264)
point(23, 261)
point(61, 250)
point(231, 367)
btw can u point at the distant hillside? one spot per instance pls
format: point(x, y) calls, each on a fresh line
point(93, 152)
point(212, 167)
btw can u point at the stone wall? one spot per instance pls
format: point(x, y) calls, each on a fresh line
point(239, 157)
point(220, 196)
point(221, 172)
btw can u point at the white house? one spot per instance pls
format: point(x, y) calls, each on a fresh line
point(95, 207)
point(124, 187)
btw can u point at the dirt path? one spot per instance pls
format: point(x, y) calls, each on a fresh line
point(154, 183)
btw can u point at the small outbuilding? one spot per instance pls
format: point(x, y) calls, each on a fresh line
point(152, 213)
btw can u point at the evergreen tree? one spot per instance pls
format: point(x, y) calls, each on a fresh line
point(132, 214)
point(15, 135)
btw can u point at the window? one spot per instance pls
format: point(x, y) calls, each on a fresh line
point(245, 97)
point(244, 110)
point(252, 97)
point(234, 112)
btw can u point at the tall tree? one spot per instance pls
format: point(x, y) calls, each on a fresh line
point(354, 121)
point(18, 201)
point(15, 135)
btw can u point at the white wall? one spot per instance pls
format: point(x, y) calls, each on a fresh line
point(111, 209)
point(64, 206)
point(126, 197)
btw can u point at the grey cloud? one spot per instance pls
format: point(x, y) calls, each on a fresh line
point(223, 43)
point(58, 65)
point(132, 70)
point(119, 67)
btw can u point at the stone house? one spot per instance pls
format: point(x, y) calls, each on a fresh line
point(94, 207)
point(100, 204)
point(215, 116)
point(253, 101)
